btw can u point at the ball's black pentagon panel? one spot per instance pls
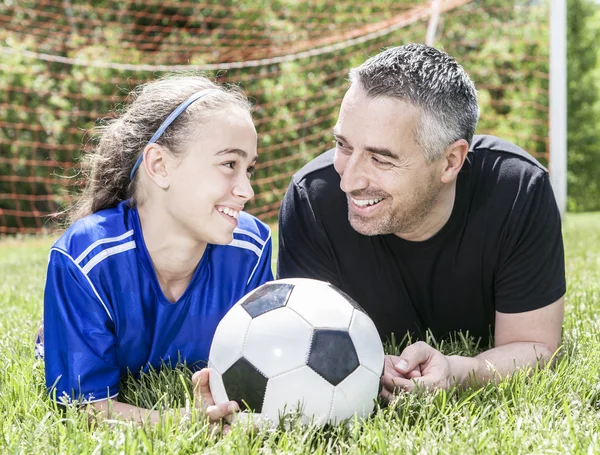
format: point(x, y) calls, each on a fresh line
point(332, 355)
point(350, 300)
point(268, 297)
point(245, 385)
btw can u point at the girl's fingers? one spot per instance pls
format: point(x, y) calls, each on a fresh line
point(200, 379)
point(217, 412)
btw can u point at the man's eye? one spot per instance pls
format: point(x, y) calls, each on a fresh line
point(341, 146)
point(381, 163)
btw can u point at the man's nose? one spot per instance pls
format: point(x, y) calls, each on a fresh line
point(353, 175)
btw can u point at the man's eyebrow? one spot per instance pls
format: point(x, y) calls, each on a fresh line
point(382, 151)
point(376, 150)
point(239, 152)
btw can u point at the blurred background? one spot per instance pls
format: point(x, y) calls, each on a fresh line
point(66, 64)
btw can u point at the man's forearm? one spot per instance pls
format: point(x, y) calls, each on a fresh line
point(497, 363)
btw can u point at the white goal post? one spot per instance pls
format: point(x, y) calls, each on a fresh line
point(558, 102)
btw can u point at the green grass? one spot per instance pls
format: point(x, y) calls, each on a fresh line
point(551, 411)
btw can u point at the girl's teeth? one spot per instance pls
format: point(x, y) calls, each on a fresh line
point(227, 211)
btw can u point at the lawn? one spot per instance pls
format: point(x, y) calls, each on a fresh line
point(550, 411)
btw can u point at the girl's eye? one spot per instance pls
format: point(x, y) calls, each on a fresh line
point(230, 164)
point(250, 171)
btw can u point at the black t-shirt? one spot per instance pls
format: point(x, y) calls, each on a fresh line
point(501, 249)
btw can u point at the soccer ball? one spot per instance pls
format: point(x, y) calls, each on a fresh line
point(297, 346)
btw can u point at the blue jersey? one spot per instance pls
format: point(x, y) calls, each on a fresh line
point(105, 313)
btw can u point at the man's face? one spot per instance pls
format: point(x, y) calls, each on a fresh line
point(389, 185)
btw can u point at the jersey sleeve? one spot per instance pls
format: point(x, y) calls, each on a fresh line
point(262, 271)
point(304, 250)
point(531, 270)
point(79, 336)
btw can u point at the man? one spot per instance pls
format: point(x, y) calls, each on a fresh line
point(428, 227)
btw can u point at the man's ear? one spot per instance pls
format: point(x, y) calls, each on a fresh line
point(155, 163)
point(453, 160)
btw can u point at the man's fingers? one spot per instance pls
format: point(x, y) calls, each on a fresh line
point(392, 383)
point(430, 381)
point(217, 412)
point(386, 394)
point(416, 373)
point(413, 356)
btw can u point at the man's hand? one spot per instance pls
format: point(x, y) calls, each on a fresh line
point(204, 400)
point(419, 365)
point(393, 379)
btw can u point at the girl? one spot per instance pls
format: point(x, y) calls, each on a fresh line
point(159, 249)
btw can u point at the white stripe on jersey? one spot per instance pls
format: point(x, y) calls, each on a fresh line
point(100, 242)
point(87, 278)
point(67, 399)
point(106, 253)
point(98, 400)
point(250, 234)
point(246, 245)
point(259, 258)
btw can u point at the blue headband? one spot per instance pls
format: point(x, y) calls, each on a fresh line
point(170, 119)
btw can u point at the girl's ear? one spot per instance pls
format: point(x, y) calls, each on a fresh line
point(155, 164)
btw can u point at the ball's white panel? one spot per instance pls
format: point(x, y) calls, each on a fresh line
point(302, 390)
point(228, 342)
point(216, 386)
point(299, 281)
point(321, 305)
point(367, 342)
point(355, 394)
point(277, 341)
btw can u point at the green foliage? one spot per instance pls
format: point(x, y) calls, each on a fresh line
point(583, 104)
point(46, 107)
point(554, 410)
point(504, 48)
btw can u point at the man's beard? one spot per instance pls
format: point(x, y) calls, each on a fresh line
point(404, 218)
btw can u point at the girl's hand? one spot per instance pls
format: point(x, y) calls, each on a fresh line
point(204, 400)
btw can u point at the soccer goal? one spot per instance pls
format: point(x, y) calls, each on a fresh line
point(66, 64)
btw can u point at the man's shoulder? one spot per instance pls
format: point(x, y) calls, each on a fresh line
point(502, 181)
point(319, 169)
point(314, 193)
point(487, 146)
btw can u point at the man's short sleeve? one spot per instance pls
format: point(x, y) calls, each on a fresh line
point(531, 270)
point(304, 251)
point(79, 335)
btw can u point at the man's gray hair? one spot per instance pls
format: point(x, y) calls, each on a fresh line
point(431, 80)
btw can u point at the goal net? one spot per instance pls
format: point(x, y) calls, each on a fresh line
point(66, 64)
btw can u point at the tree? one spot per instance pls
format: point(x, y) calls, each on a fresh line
point(583, 105)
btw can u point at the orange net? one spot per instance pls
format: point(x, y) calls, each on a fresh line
point(66, 64)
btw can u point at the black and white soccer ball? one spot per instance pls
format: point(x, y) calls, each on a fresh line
point(301, 347)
